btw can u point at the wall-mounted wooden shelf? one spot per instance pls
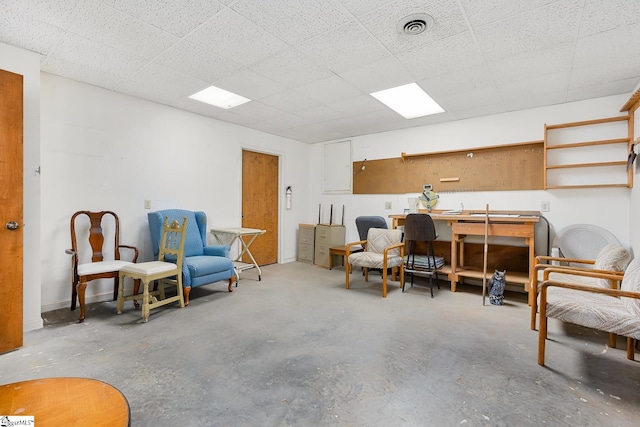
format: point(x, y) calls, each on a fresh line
point(588, 154)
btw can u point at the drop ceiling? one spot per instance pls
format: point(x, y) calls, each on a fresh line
point(309, 65)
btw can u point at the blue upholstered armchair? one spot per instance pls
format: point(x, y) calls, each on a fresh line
point(202, 264)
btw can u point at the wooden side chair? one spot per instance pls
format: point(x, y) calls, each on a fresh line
point(84, 268)
point(612, 259)
point(616, 311)
point(167, 270)
point(383, 249)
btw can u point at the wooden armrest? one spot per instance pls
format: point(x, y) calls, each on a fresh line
point(347, 247)
point(133, 248)
point(587, 288)
point(586, 272)
point(569, 269)
point(562, 259)
point(397, 245)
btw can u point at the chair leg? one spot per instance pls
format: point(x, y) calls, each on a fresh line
point(231, 280)
point(534, 311)
point(346, 281)
point(82, 286)
point(74, 294)
point(612, 340)
point(187, 291)
point(146, 300)
point(431, 284)
point(115, 288)
point(630, 348)
point(136, 291)
point(384, 282)
point(542, 336)
point(120, 304)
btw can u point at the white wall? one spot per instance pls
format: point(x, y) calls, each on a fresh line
point(635, 191)
point(28, 65)
point(106, 151)
point(609, 207)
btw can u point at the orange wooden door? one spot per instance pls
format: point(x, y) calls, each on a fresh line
point(11, 107)
point(260, 204)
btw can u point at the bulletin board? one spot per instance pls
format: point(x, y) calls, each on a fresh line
point(517, 166)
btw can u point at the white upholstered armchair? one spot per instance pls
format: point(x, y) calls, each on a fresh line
point(383, 249)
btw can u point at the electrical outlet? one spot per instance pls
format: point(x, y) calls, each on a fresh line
point(147, 204)
point(387, 205)
point(544, 206)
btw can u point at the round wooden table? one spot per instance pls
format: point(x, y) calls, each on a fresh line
point(66, 402)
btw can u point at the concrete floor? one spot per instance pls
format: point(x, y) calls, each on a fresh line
point(297, 349)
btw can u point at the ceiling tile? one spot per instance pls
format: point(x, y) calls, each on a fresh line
point(485, 109)
point(290, 68)
point(458, 81)
point(601, 15)
point(75, 49)
point(532, 63)
point(19, 30)
point(382, 23)
point(82, 73)
point(232, 36)
point(177, 17)
point(532, 30)
point(319, 114)
point(249, 84)
point(598, 74)
point(52, 12)
point(346, 125)
point(361, 7)
point(454, 53)
point(343, 49)
point(362, 104)
point(293, 21)
point(164, 82)
point(327, 90)
point(383, 74)
point(485, 12)
point(197, 62)
point(258, 110)
point(607, 46)
point(289, 121)
point(290, 101)
point(104, 24)
point(603, 88)
point(319, 132)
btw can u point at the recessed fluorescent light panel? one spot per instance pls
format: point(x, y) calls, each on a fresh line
point(410, 101)
point(219, 97)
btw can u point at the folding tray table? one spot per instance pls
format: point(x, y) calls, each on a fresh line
point(228, 236)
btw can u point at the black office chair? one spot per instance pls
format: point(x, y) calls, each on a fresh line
point(420, 228)
point(364, 223)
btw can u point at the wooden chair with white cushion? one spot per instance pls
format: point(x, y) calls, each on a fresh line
point(616, 311)
point(612, 259)
point(167, 270)
point(95, 253)
point(383, 249)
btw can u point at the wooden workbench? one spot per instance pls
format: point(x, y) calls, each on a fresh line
point(520, 224)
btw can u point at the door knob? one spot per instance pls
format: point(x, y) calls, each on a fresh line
point(12, 225)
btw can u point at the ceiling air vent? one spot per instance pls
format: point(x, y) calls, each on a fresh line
point(415, 24)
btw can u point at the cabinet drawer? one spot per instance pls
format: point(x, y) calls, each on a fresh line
point(306, 235)
point(305, 253)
